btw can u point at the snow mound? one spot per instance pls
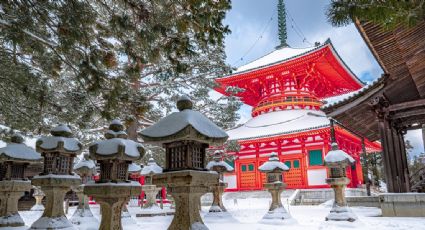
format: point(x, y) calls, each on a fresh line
point(37, 207)
point(112, 146)
point(53, 223)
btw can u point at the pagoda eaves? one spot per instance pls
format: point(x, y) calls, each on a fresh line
point(318, 70)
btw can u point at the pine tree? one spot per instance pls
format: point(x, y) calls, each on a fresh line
point(389, 13)
point(85, 62)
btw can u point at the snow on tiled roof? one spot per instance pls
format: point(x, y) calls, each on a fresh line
point(278, 55)
point(279, 122)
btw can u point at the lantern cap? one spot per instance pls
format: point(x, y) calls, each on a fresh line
point(273, 164)
point(61, 140)
point(151, 168)
point(186, 124)
point(134, 168)
point(18, 151)
point(85, 162)
point(116, 145)
point(337, 155)
point(218, 162)
point(184, 102)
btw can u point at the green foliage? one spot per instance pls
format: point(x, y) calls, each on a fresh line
point(387, 13)
point(84, 62)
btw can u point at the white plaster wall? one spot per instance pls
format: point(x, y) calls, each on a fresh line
point(230, 180)
point(316, 176)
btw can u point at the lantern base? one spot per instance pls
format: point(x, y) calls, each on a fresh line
point(54, 187)
point(341, 214)
point(151, 191)
point(276, 210)
point(187, 187)
point(112, 197)
point(217, 205)
point(10, 192)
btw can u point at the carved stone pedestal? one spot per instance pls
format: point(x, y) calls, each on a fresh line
point(38, 195)
point(340, 211)
point(55, 187)
point(112, 197)
point(151, 191)
point(10, 192)
point(217, 205)
point(276, 210)
point(83, 212)
point(186, 187)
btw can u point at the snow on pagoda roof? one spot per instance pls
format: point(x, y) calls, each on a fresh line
point(280, 122)
point(278, 55)
point(151, 168)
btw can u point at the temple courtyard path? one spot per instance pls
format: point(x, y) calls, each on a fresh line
point(247, 213)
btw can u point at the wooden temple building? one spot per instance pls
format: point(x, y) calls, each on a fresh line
point(286, 89)
point(395, 103)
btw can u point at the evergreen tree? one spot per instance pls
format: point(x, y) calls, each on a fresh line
point(388, 13)
point(84, 62)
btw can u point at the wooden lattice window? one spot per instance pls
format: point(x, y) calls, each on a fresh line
point(18, 171)
point(177, 157)
point(122, 171)
point(3, 169)
point(197, 157)
point(63, 164)
point(105, 171)
point(48, 164)
point(337, 172)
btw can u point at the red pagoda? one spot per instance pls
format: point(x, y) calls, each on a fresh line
point(286, 89)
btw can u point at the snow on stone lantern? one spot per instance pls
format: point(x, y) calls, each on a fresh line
point(148, 188)
point(219, 166)
point(85, 168)
point(113, 189)
point(337, 160)
point(38, 195)
point(14, 158)
point(57, 178)
point(185, 135)
point(274, 183)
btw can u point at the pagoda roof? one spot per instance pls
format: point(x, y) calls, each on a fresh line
point(336, 77)
point(279, 123)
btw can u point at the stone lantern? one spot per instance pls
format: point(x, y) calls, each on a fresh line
point(57, 178)
point(14, 158)
point(219, 166)
point(274, 183)
point(113, 190)
point(85, 168)
point(150, 189)
point(337, 161)
point(185, 135)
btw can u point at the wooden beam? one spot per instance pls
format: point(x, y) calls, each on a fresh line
point(405, 105)
point(408, 113)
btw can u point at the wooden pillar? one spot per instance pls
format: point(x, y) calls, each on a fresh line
point(403, 159)
point(385, 155)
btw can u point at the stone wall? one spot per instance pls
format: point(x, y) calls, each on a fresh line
point(403, 204)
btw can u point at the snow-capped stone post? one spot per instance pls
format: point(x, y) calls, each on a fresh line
point(14, 158)
point(57, 178)
point(219, 166)
point(85, 168)
point(185, 135)
point(38, 195)
point(150, 189)
point(274, 169)
point(337, 161)
point(134, 175)
point(113, 190)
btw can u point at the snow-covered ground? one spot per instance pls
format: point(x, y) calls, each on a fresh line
point(247, 213)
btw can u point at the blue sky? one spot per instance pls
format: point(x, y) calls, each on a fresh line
point(254, 33)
